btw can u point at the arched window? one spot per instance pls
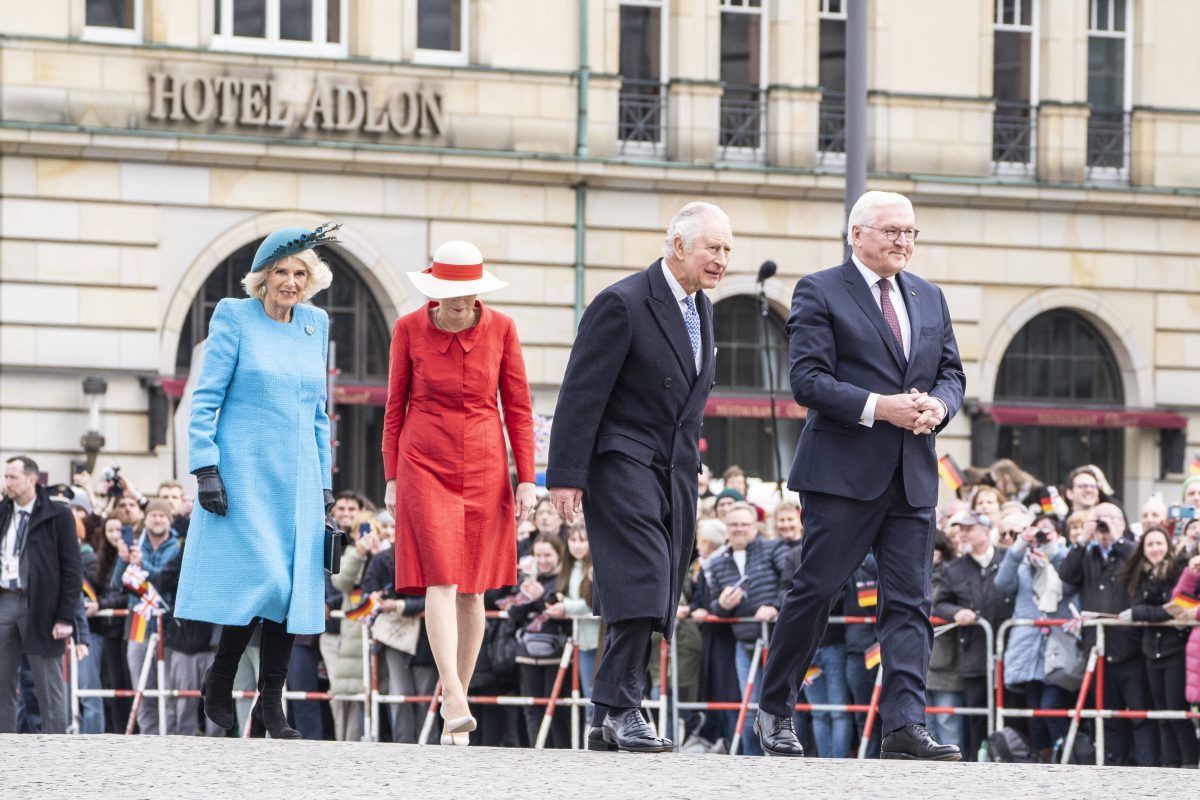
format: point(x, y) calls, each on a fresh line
point(741, 434)
point(1060, 359)
point(360, 337)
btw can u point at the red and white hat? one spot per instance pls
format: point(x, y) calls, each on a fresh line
point(457, 271)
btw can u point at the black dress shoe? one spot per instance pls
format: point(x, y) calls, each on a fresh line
point(596, 740)
point(915, 743)
point(627, 730)
point(777, 735)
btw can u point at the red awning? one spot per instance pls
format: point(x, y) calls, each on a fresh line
point(752, 407)
point(1051, 417)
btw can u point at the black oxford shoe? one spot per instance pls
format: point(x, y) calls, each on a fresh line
point(629, 732)
point(596, 740)
point(915, 743)
point(777, 735)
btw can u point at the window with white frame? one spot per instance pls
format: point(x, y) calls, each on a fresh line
point(831, 131)
point(1014, 86)
point(744, 75)
point(289, 27)
point(642, 103)
point(443, 31)
point(117, 21)
point(1110, 100)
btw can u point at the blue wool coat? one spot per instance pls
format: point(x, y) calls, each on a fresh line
point(270, 441)
point(1025, 653)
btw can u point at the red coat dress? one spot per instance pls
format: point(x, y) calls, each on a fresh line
point(444, 445)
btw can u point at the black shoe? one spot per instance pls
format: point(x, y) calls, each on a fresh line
point(267, 714)
point(915, 743)
point(217, 688)
point(777, 735)
point(597, 742)
point(627, 730)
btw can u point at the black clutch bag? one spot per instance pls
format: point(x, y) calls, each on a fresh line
point(335, 543)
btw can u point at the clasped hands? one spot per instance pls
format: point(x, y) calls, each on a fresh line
point(916, 411)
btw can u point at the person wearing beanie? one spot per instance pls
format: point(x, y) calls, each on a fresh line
point(155, 546)
point(725, 501)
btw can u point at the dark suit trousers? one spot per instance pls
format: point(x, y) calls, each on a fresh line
point(620, 678)
point(838, 533)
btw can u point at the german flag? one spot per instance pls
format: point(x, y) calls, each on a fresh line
point(366, 609)
point(949, 472)
point(89, 591)
point(1186, 601)
point(1195, 466)
point(813, 673)
point(868, 595)
point(872, 657)
point(138, 625)
point(1047, 503)
point(356, 598)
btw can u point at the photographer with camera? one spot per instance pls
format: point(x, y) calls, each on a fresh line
point(1094, 566)
point(1029, 571)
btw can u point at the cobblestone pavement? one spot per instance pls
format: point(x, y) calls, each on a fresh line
point(176, 768)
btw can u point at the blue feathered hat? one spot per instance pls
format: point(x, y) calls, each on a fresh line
point(291, 240)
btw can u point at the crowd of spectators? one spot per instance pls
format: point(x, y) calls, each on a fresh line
point(1008, 547)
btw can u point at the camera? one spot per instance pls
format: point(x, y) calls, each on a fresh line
point(553, 597)
point(1041, 536)
point(115, 488)
point(1102, 527)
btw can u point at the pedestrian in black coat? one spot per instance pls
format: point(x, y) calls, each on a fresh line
point(625, 446)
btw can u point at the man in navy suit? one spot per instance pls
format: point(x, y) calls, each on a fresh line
point(874, 360)
point(625, 444)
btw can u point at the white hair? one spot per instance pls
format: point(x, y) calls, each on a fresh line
point(866, 207)
point(319, 276)
point(712, 531)
point(688, 224)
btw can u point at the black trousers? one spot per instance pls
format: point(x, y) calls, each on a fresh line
point(1177, 736)
point(975, 695)
point(620, 678)
point(1128, 742)
point(838, 533)
point(537, 680)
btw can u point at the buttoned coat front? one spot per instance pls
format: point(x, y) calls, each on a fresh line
point(627, 431)
point(258, 415)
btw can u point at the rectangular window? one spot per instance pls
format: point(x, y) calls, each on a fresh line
point(1014, 87)
point(287, 27)
point(118, 21)
point(643, 98)
point(831, 136)
point(1110, 101)
point(743, 73)
point(442, 31)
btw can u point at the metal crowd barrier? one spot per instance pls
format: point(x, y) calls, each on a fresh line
point(1093, 674)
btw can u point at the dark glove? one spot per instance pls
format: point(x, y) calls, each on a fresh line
point(329, 501)
point(210, 491)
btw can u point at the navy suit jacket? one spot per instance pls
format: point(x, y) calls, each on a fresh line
point(842, 350)
point(626, 430)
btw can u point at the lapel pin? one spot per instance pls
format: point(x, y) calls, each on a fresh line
point(308, 329)
point(914, 294)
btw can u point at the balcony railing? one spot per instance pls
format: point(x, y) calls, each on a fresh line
point(1013, 131)
point(641, 113)
point(742, 117)
point(1108, 144)
point(831, 123)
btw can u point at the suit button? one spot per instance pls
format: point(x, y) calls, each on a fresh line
point(679, 426)
point(672, 468)
point(667, 383)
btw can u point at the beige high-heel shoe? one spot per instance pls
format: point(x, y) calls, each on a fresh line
point(457, 724)
point(456, 739)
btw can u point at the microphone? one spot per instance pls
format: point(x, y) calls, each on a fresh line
point(766, 270)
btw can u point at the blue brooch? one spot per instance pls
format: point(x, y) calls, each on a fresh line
point(308, 329)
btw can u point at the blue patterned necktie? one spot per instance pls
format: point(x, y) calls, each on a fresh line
point(692, 320)
point(22, 525)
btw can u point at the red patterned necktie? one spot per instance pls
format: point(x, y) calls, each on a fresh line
point(889, 311)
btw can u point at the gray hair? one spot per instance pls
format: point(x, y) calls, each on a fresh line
point(319, 276)
point(743, 506)
point(865, 208)
point(688, 223)
point(712, 531)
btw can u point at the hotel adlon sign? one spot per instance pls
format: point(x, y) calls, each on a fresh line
point(335, 106)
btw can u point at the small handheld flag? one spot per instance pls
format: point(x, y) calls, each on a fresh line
point(868, 594)
point(813, 673)
point(949, 472)
point(872, 657)
point(1185, 601)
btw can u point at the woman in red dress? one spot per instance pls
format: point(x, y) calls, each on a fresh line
point(443, 446)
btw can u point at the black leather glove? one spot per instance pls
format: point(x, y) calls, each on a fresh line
point(329, 501)
point(210, 491)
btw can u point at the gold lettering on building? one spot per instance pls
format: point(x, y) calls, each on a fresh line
point(257, 103)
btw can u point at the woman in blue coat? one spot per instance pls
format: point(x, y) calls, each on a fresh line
point(259, 427)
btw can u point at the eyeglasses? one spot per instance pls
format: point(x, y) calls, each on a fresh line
point(892, 234)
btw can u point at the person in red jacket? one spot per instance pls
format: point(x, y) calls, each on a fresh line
point(443, 443)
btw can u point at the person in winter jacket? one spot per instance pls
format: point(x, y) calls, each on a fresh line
point(1188, 585)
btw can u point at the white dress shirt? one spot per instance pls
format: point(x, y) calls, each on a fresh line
point(9, 549)
point(680, 295)
point(872, 281)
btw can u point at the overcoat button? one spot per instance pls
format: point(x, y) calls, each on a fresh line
point(667, 382)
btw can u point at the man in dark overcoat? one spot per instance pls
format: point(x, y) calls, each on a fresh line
point(41, 578)
point(624, 446)
point(874, 360)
